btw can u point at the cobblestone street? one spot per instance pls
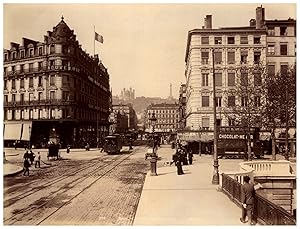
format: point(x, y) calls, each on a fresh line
point(57, 195)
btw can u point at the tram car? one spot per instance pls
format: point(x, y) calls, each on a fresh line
point(53, 151)
point(232, 142)
point(113, 144)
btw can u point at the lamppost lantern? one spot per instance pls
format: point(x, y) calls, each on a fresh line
point(153, 120)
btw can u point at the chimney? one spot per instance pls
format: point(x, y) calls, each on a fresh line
point(252, 22)
point(260, 17)
point(208, 22)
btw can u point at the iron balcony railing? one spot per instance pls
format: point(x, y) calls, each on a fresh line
point(42, 69)
point(40, 102)
point(265, 211)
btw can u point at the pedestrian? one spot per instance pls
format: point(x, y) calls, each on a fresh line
point(130, 144)
point(177, 161)
point(26, 155)
point(87, 147)
point(38, 160)
point(173, 145)
point(31, 157)
point(184, 156)
point(15, 144)
point(190, 156)
point(26, 167)
point(248, 193)
point(68, 149)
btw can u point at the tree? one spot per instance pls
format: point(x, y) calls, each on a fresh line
point(281, 101)
point(246, 100)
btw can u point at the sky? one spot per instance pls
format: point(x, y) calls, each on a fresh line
point(144, 44)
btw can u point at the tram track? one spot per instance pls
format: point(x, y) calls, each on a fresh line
point(90, 177)
point(31, 191)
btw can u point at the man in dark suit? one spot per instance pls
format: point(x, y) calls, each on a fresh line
point(248, 193)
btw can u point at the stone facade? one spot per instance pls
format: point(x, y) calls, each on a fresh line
point(167, 116)
point(55, 86)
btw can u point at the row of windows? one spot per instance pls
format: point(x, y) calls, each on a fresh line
point(206, 122)
point(230, 40)
point(52, 113)
point(166, 116)
point(231, 57)
point(54, 49)
point(161, 112)
point(166, 126)
point(231, 81)
point(283, 51)
point(283, 31)
point(31, 52)
point(66, 81)
point(22, 82)
point(52, 94)
point(231, 101)
point(41, 114)
point(167, 121)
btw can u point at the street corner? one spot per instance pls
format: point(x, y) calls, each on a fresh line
point(10, 169)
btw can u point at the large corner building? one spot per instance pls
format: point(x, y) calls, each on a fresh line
point(53, 90)
point(270, 42)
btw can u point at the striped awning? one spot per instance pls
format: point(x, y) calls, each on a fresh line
point(12, 131)
point(26, 131)
point(196, 136)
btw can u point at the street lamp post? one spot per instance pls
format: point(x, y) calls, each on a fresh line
point(153, 161)
point(215, 179)
point(29, 137)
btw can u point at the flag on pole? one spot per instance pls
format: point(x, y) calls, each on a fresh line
point(98, 38)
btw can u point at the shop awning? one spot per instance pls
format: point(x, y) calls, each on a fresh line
point(12, 131)
point(196, 136)
point(26, 133)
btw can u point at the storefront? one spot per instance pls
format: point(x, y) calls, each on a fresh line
point(198, 141)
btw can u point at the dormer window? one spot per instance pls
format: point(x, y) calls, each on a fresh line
point(40, 51)
point(283, 31)
point(271, 31)
point(22, 53)
point(31, 51)
point(14, 55)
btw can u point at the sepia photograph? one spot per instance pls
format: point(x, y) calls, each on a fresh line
point(149, 114)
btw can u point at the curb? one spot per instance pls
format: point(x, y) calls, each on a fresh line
point(13, 174)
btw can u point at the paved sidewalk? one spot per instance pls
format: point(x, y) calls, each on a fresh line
point(189, 199)
point(10, 169)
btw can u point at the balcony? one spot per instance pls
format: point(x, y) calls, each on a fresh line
point(40, 102)
point(42, 69)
